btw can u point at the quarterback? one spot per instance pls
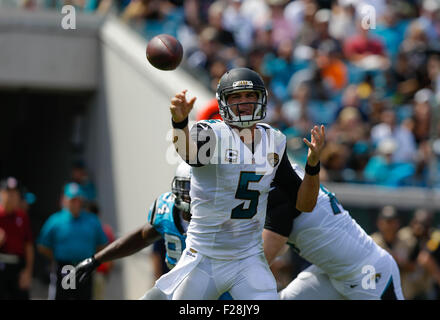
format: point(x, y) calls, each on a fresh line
point(233, 164)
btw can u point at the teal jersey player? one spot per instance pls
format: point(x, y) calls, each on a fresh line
point(166, 218)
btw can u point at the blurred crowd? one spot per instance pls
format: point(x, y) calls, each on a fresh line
point(416, 250)
point(67, 237)
point(367, 69)
point(371, 76)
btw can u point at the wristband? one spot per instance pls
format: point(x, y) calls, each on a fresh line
point(95, 263)
point(312, 171)
point(179, 125)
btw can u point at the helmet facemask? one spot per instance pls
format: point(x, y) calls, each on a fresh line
point(239, 120)
point(180, 188)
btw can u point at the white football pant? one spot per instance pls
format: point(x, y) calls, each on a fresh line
point(377, 280)
point(245, 279)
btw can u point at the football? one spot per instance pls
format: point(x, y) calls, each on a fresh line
point(164, 52)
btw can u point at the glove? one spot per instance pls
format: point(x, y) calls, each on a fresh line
point(84, 269)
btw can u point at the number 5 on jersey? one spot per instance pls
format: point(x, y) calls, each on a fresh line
point(244, 193)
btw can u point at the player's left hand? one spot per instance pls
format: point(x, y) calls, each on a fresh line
point(85, 268)
point(316, 145)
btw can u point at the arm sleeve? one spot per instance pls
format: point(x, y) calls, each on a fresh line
point(280, 213)
point(204, 137)
point(281, 204)
point(287, 179)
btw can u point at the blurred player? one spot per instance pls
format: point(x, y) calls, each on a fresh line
point(168, 218)
point(234, 162)
point(346, 262)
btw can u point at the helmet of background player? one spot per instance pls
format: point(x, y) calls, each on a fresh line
point(236, 80)
point(181, 186)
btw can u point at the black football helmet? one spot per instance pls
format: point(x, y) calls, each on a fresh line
point(180, 187)
point(241, 79)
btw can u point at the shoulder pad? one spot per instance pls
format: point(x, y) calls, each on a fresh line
point(210, 121)
point(161, 205)
point(269, 127)
point(215, 125)
point(167, 197)
point(205, 124)
point(264, 125)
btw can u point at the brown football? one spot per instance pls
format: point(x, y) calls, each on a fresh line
point(164, 52)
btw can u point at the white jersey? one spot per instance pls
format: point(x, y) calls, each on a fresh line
point(229, 194)
point(330, 238)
